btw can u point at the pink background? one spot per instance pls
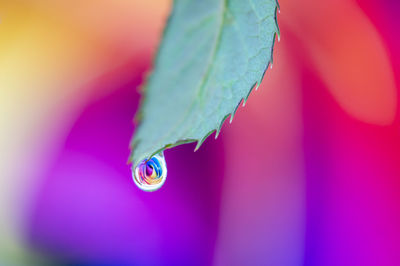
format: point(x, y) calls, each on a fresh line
point(308, 173)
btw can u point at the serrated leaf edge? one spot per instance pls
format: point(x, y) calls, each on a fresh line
point(138, 116)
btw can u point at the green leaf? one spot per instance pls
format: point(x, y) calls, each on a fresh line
point(212, 54)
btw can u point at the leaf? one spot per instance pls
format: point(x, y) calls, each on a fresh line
point(212, 54)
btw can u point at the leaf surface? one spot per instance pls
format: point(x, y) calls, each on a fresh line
point(213, 53)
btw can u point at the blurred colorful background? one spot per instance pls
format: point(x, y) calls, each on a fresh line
point(308, 173)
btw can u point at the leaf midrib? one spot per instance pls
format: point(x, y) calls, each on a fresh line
point(205, 77)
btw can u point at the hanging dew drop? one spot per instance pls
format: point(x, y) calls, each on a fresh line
point(150, 175)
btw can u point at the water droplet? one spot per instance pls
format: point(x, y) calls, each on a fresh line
point(150, 174)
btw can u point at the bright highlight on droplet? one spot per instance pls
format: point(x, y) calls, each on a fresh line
point(150, 174)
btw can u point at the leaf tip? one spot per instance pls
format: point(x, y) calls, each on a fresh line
point(200, 142)
point(234, 111)
point(197, 146)
point(277, 30)
point(220, 125)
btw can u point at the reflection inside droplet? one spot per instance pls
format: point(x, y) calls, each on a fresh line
point(150, 174)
